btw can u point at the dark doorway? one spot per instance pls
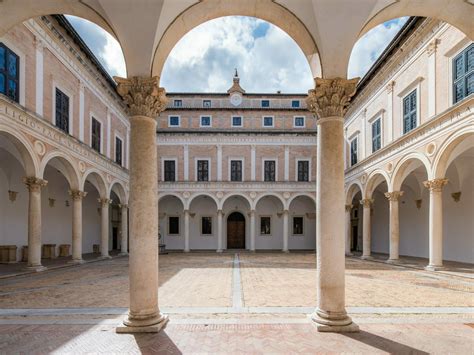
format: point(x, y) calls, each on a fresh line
point(114, 238)
point(236, 231)
point(355, 237)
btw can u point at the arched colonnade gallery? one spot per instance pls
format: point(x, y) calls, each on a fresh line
point(326, 37)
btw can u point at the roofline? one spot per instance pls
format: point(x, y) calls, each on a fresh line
point(227, 94)
point(63, 22)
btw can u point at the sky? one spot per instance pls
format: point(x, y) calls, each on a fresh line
point(267, 59)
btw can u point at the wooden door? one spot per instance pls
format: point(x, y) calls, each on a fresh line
point(236, 231)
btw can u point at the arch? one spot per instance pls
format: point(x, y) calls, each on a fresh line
point(196, 195)
point(268, 194)
point(29, 159)
point(61, 162)
point(95, 177)
point(301, 194)
point(446, 150)
point(118, 188)
point(403, 169)
point(226, 197)
point(267, 10)
point(172, 194)
point(375, 178)
point(354, 188)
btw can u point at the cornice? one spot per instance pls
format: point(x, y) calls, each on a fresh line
point(234, 139)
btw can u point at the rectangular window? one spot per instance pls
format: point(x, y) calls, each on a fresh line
point(297, 225)
point(206, 103)
point(303, 170)
point(206, 225)
point(265, 225)
point(205, 121)
point(463, 74)
point(354, 151)
point(118, 151)
point(236, 121)
point(95, 134)
point(173, 225)
point(265, 103)
point(409, 112)
point(299, 121)
point(62, 111)
point(376, 135)
point(203, 170)
point(170, 170)
point(174, 121)
point(295, 103)
point(268, 121)
point(236, 170)
point(9, 73)
point(270, 170)
point(178, 103)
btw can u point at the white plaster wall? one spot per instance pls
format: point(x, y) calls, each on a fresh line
point(171, 206)
point(300, 207)
point(202, 207)
point(380, 224)
point(90, 221)
point(270, 206)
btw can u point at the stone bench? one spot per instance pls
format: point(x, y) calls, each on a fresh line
point(64, 249)
point(8, 254)
point(48, 251)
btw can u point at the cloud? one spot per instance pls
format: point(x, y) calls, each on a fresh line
point(371, 45)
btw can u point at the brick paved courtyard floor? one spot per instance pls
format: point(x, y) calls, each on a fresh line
point(228, 303)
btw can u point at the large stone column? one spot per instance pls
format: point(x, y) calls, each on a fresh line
point(124, 230)
point(252, 230)
point(220, 237)
point(186, 231)
point(393, 198)
point(285, 231)
point(104, 227)
point(436, 223)
point(366, 228)
point(145, 101)
point(77, 197)
point(34, 186)
point(328, 102)
point(348, 230)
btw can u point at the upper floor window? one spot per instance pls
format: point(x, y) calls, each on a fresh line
point(236, 121)
point(178, 103)
point(206, 103)
point(295, 103)
point(463, 74)
point(95, 135)
point(303, 170)
point(409, 112)
point(354, 151)
point(268, 121)
point(298, 225)
point(203, 170)
point(269, 170)
point(205, 121)
point(62, 111)
point(9, 73)
point(299, 122)
point(265, 103)
point(118, 151)
point(236, 170)
point(376, 135)
point(170, 170)
point(174, 121)
point(206, 225)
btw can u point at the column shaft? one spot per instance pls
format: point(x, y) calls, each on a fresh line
point(104, 227)
point(285, 231)
point(220, 237)
point(124, 230)
point(77, 197)
point(252, 230)
point(393, 198)
point(366, 229)
point(348, 229)
point(186, 231)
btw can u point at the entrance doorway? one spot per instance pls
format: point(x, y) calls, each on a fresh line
point(236, 231)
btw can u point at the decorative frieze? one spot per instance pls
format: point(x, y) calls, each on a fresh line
point(394, 195)
point(435, 185)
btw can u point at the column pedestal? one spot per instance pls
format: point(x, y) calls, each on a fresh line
point(104, 227)
point(124, 230)
point(77, 197)
point(366, 230)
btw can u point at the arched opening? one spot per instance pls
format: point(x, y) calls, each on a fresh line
point(236, 231)
point(240, 204)
point(171, 222)
point(354, 222)
point(203, 232)
point(270, 214)
point(302, 223)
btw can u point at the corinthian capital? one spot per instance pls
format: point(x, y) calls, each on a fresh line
point(33, 183)
point(331, 97)
point(142, 95)
point(367, 202)
point(394, 195)
point(77, 194)
point(104, 202)
point(435, 185)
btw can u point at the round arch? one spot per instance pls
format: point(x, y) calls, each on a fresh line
point(118, 188)
point(404, 168)
point(375, 178)
point(29, 159)
point(446, 150)
point(95, 178)
point(199, 194)
point(172, 194)
point(232, 194)
point(267, 10)
point(303, 194)
point(269, 194)
point(61, 162)
point(354, 188)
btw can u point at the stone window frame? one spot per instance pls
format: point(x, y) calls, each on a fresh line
point(354, 137)
point(293, 226)
point(304, 121)
point(297, 160)
point(205, 101)
point(449, 55)
point(169, 121)
point(200, 121)
point(93, 116)
point(263, 121)
point(229, 168)
point(378, 115)
point(165, 158)
point(117, 135)
point(168, 225)
point(461, 52)
point(414, 85)
point(264, 159)
point(241, 121)
point(265, 100)
point(209, 176)
point(260, 225)
point(22, 71)
point(70, 95)
point(298, 105)
point(175, 101)
point(200, 225)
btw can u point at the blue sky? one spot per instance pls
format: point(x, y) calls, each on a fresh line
point(268, 60)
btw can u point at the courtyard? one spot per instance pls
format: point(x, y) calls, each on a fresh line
point(250, 302)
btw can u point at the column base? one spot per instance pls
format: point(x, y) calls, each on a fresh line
point(123, 253)
point(186, 251)
point(433, 268)
point(349, 254)
point(219, 251)
point(76, 261)
point(285, 251)
point(148, 325)
point(336, 323)
point(104, 257)
point(393, 261)
point(37, 268)
point(367, 257)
